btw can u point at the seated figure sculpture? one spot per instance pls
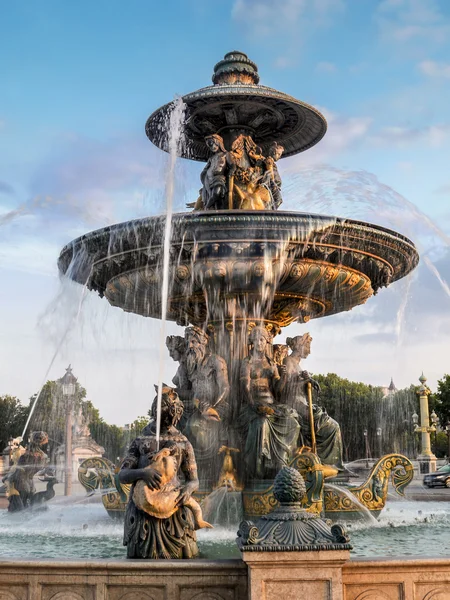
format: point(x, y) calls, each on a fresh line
point(176, 344)
point(213, 176)
point(208, 409)
point(293, 393)
point(172, 536)
point(271, 177)
point(19, 481)
point(242, 178)
point(270, 428)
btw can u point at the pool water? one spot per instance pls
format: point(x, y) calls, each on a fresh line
point(77, 530)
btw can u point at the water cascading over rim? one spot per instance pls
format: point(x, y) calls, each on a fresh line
point(238, 264)
point(274, 267)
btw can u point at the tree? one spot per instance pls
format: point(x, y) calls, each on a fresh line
point(440, 400)
point(13, 418)
point(358, 407)
point(49, 413)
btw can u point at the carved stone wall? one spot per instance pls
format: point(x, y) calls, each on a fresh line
point(408, 579)
point(123, 580)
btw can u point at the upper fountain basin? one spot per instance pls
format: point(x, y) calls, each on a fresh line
point(280, 267)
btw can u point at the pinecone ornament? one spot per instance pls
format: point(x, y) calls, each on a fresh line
point(289, 486)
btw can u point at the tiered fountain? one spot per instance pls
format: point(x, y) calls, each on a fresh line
point(240, 270)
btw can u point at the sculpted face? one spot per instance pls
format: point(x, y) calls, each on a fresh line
point(259, 342)
point(278, 152)
point(175, 354)
point(305, 348)
point(213, 145)
point(196, 350)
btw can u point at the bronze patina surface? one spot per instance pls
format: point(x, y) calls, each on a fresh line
point(241, 270)
point(315, 266)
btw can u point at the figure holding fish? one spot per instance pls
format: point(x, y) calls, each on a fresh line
point(161, 515)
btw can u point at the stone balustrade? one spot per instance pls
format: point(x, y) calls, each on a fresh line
point(406, 579)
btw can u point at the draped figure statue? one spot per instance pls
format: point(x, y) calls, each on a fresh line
point(293, 393)
point(270, 428)
point(172, 535)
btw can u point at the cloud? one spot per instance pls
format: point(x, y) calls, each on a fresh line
point(376, 338)
point(411, 21)
point(100, 182)
point(6, 189)
point(264, 17)
point(432, 135)
point(342, 134)
point(435, 69)
point(443, 189)
point(282, 62)
point(326, 67)
point(28, 254)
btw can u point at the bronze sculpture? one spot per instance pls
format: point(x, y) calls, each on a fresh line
point(236, 263)
point(272, 177)
point(19, 481)
point(208, 376)
point(270, 428)
point(145, 535)
point(176, 344)
point(327, 430)
point(213, 176)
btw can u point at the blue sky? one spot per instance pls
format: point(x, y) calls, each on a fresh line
point(78, 83)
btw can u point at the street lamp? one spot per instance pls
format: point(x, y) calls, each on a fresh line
point(447, 431)
point(379, 431)
point(434, 425)
point(68, 386)
point(367, 447)
point(427, 460)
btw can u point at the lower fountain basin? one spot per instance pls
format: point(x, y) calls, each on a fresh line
point(280, 267)
point(73, 530)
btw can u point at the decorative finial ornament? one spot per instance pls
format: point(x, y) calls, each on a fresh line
point(289, 528)
point(235, 68)
point(237, 104)
point(422, 378)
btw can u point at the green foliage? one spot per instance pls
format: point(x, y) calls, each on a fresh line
point(114, 439)
point(358, 407)
point(440, 444)
point(13, 418)
point(50, 413)
point(440, 400)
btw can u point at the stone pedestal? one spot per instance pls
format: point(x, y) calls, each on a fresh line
point(427, 463)
point(292, 575)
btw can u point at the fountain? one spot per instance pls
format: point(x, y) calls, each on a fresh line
point(236, 270)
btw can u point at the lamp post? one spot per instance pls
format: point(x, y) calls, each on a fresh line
point(379, 431)
point(426, 458)
point(366, 443)
point(68, 386)
point(447, 431)
point(435, 423)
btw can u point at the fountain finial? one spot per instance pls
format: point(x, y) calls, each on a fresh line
point(235, 68)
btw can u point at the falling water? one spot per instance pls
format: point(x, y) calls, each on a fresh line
point(175, 132)
point(65, 333)
point(365, 512)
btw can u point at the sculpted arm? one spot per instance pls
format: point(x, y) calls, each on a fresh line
point(130, 473)
point(189, 469)
point(245, 380)
point(222, 380)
